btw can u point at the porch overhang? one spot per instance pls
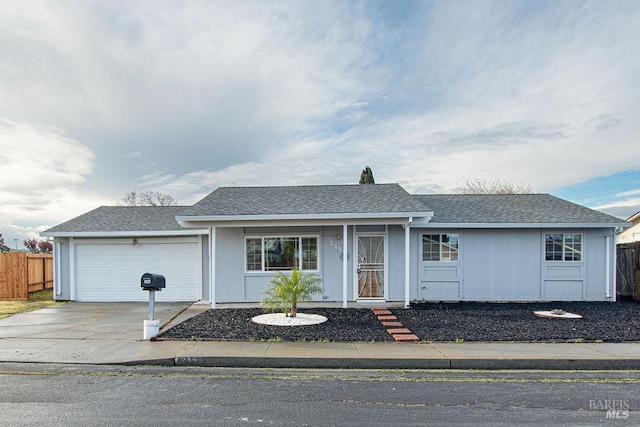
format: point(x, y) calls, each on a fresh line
point(394, 218)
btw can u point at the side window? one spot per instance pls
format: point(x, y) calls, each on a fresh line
point(440, 247)
point(563, 246)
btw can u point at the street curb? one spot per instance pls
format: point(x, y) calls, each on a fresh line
point(313, 363)
point(547, 364)
point(371, 363)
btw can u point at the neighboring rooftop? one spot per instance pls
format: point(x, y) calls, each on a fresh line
point(307, 200)
point(510, 209)
point(122, 219)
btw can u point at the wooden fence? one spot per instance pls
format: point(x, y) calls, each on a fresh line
point(628, 278)
point(22, 273)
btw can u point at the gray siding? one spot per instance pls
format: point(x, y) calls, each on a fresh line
point(596, 271)
point(509, 265)
point(500, 265)
point(229, 266)
point(395, 263)
point(331, 262)
point(234, 284)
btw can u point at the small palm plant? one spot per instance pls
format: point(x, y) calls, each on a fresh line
point(285, 292)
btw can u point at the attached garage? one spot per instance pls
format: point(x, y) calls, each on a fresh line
point(100, 256)
point(110, 269)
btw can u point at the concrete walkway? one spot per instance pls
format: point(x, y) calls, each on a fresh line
point(110, 333)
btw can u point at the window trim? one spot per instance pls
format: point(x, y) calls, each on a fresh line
point(563, 245)
point(264, 237)
point(440, 245)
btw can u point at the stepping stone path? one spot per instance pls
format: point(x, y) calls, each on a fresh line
point(395, 328)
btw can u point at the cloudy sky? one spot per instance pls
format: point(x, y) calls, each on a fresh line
point(101, 97)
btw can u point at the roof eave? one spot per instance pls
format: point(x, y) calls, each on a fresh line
point(302, 220)
point(521, 225)
point(133, 233)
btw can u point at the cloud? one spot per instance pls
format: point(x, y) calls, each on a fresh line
point(42, 167)
point(190, 96)
point(229, 80)
point(133, 155)
point(628, 193)
point(621, 208)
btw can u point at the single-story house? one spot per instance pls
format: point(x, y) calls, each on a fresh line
point(368, 243)
point(632, 234)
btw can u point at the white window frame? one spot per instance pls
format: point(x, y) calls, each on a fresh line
point(564, 246)
point(440, 245)
point(262, 238)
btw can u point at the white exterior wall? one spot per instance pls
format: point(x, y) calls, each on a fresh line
point(631, 234)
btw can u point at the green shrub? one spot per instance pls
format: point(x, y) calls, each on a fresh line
point(285, 292)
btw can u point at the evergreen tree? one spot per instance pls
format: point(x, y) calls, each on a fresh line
point(366, 177)
point(3, 248)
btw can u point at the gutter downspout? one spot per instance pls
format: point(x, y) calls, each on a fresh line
point(212, 267)
point(607, 291)
point(345, 261)
point(407, 247)
point(57, 270)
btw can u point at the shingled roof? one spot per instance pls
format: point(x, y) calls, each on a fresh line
point(306, 200)
point(111, 219)
point(510, 209)
point(358, 201)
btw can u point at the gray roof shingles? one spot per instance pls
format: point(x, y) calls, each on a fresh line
point(307, 200)
point(510, 209)
point(340, 199)
point(123, 218)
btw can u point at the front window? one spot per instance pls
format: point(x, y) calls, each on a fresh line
point(440, 247)
point(281, 253)
point(563, 247)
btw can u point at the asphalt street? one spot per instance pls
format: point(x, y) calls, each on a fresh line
point(54, 394)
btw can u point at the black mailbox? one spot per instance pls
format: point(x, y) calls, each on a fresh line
point(152, 282)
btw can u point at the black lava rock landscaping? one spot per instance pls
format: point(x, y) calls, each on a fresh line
point(450, 322)
point(226, 324)
point(472, 321)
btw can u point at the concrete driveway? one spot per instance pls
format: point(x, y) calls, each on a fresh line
point(87, 321)
point(89, 333)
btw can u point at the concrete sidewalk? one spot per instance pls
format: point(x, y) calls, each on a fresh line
point(103, 333)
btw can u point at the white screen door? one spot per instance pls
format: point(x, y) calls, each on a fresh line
point(370, 267)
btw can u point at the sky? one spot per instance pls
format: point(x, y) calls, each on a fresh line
point(98, 98)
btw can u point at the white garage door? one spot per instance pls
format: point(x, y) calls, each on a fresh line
point(111, 271)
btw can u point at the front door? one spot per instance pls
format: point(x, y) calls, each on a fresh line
point(370, 267)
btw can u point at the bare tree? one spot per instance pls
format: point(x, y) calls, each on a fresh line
point(481, 186)
point(156, 198)
point(148, 198)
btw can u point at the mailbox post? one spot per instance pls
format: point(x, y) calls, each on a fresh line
point(152, 283)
